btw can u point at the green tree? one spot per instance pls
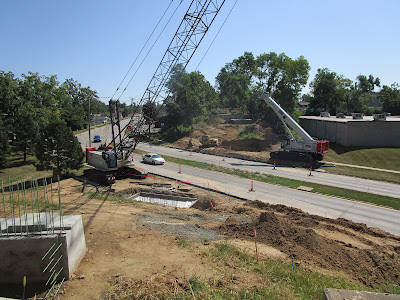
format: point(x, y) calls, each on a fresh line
point(8, 94)
point(367, 85)
point(390, 96)
point(3, 144)
point(241, 83)
point(73, 104)
point(282, 77)
point(330, 91)
point(57, 148)
point(26, 130)
point(40, 91)
point(234, 81)
point(192, 97)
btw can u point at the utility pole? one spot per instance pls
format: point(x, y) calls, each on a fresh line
point(90, 140)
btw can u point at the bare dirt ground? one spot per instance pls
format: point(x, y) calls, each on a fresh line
point(138, 248)
point(229, 143)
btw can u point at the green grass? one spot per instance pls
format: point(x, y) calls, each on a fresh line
point(249, 132)
point(291, 183)
point(382, 158)
point(16, 168)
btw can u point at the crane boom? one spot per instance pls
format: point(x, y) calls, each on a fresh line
point(306, 152)
point(286, 118)
point(111, 164)
point(192, 29)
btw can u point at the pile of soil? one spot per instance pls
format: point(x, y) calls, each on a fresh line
point(324, 244)
point(230, 144)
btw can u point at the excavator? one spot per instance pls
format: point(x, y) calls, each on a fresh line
point(112, 161)
point(307, 152)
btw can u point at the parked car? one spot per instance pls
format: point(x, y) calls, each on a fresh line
point(97, 139)
point(153, 159)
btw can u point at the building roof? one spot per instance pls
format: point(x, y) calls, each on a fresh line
point(350, 119)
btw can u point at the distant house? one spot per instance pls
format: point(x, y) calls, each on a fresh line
point(163, 121)
point(303, 105)
point(375, 102)
point(100, 118)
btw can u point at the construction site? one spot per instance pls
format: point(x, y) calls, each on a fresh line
point(152, 237)
point(127, 228)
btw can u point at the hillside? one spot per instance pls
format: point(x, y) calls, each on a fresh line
point(235, 140)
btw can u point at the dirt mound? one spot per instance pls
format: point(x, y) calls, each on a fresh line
point(248, 144)
point(314, 242)
point(187, 143)
point(230, 142)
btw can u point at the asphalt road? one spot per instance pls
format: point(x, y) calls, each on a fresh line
point(104, 132)
point(326, 206)
point(321, 177)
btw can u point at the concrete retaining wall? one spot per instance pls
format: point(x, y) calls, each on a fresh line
point(25, 255)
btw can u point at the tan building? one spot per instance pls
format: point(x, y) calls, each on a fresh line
point(365, 132)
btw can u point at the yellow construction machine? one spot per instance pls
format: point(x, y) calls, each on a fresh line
point(207, 141)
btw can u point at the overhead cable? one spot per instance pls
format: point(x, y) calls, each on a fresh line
point(216, 35)
point(148, 52)
point(145, 44)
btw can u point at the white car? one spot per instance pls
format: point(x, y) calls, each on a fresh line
point(153, 159)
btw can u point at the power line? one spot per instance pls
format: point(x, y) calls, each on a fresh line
point(216, 35)
point(148, 52)
point(142, 48)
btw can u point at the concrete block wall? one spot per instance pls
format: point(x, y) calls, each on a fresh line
point(354, 133)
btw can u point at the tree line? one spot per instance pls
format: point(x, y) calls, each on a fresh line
point(240, 83)
point(39, 114)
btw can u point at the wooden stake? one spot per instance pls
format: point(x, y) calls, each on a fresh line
point(255, 243)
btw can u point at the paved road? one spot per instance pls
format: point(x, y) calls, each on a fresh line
point(326, 206)
point(104, 132)
point(352, 183)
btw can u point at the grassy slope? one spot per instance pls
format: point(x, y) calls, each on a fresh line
point(382, 158)
point(16, 168)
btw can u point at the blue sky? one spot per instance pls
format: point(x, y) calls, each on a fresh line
point(96, 41)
